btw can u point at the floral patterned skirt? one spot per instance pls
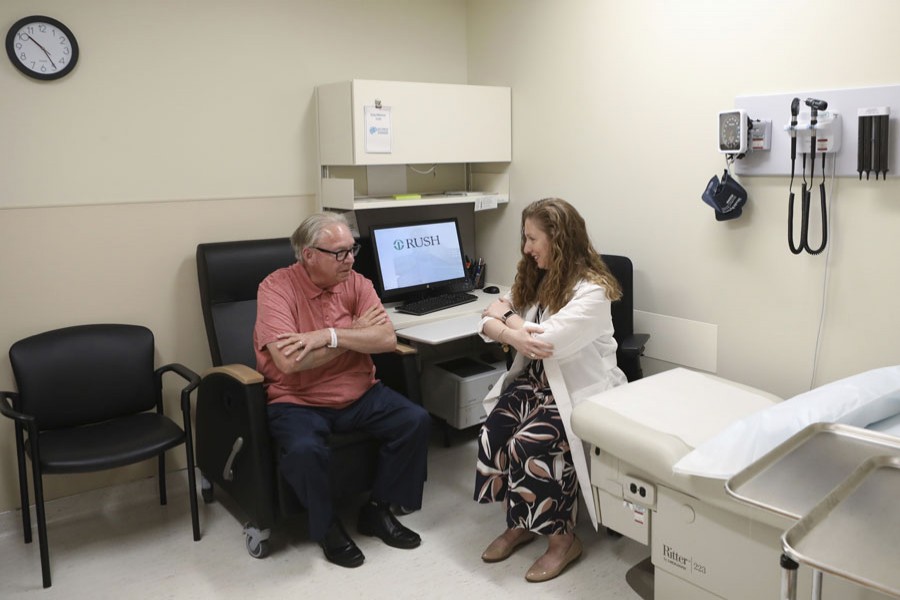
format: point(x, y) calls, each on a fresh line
point(524, 459)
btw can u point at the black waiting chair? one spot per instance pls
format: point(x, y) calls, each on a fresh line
point(631, 344)
point(89, 399)
point(234, 449)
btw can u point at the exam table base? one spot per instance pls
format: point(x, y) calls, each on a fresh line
point(702, 551)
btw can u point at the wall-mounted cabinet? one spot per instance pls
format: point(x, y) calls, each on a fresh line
point(435, 144)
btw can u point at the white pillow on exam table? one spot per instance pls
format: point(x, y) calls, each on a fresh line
point(859, 400)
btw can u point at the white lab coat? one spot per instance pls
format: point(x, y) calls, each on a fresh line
point(583, 363)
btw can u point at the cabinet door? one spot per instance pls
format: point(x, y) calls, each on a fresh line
point(430, 123)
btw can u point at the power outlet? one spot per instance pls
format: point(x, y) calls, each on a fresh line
point(640, 492)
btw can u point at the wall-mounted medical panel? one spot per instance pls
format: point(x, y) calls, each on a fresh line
point(848, 103)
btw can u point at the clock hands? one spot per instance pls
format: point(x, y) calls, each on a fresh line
point(50, 58)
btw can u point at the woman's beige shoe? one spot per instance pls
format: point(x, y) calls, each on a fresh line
point(500, 549)
point(537, 575)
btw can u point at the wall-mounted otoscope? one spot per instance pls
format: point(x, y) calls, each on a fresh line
point(816, 104)
point(795, 110)
point(823, 130)
point(814, 107)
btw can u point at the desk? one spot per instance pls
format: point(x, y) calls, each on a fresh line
point(442, 336)
point(444, 325)
point(446, 330)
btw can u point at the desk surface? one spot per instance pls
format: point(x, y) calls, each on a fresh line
point(444, 325)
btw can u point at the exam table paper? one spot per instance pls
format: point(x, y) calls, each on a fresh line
point(691, 406)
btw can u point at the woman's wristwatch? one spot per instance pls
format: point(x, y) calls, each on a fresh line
point(507, 315)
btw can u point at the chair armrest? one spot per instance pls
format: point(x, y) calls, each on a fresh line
point(404, 349)
point(241, 373)
point(7, 410)
point(233, 446)
point(399, 371)
point(188, 375)
point(634, 343)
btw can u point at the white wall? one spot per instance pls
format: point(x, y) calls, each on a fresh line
point(184, 122)
point(614, 109)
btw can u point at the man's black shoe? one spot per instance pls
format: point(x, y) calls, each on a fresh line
point(377, 520)
point(339, 548)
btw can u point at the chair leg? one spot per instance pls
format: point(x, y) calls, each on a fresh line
point(192, 487)
point(23, 484)
point(41, 523)
point(162, 478)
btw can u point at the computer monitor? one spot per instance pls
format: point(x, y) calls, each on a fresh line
point(417, 259)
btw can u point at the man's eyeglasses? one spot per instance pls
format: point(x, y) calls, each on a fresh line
point(340, 255)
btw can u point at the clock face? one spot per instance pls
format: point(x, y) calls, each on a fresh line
point(42, 47)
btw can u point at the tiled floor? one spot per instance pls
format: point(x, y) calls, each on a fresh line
point(119, 543)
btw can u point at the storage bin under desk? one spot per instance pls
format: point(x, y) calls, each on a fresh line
point(454, 389)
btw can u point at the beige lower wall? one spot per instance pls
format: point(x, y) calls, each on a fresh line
point(129, 263)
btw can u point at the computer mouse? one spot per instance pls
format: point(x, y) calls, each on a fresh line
point(492, 289)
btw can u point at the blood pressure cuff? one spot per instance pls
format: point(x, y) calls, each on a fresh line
point(726, 197)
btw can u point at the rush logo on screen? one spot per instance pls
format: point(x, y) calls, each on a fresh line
point(417, 242)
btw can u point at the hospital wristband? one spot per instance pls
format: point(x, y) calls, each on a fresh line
point(333, 333)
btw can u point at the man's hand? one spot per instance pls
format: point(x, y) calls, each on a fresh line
point(297, 345)
point(376, 315)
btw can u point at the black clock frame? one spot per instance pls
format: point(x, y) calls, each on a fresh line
point(11, 53)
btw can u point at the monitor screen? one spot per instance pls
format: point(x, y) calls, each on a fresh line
point(415, 259)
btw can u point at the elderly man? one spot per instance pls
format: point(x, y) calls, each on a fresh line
point(317, 323)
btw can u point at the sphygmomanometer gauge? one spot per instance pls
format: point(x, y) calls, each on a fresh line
point(733, 131)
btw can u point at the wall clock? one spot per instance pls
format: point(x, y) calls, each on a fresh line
point(42, 47)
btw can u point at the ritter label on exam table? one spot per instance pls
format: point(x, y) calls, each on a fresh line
point(685, 563)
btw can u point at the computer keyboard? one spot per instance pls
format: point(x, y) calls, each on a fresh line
point(435, 303)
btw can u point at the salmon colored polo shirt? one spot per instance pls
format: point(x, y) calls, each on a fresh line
point(287, 302)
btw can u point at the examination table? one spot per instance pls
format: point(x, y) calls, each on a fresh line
point(662, 449)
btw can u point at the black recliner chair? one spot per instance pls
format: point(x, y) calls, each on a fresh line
point(234, 451)
point(631, 344)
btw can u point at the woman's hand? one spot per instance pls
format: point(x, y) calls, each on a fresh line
point(496, 309)
point(524, 341)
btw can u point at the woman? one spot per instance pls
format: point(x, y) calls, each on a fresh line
point(557, 317)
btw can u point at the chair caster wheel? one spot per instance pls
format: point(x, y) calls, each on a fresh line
point(257, 541)
point(258, 548)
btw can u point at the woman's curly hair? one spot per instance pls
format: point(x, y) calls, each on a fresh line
point(572, 258)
